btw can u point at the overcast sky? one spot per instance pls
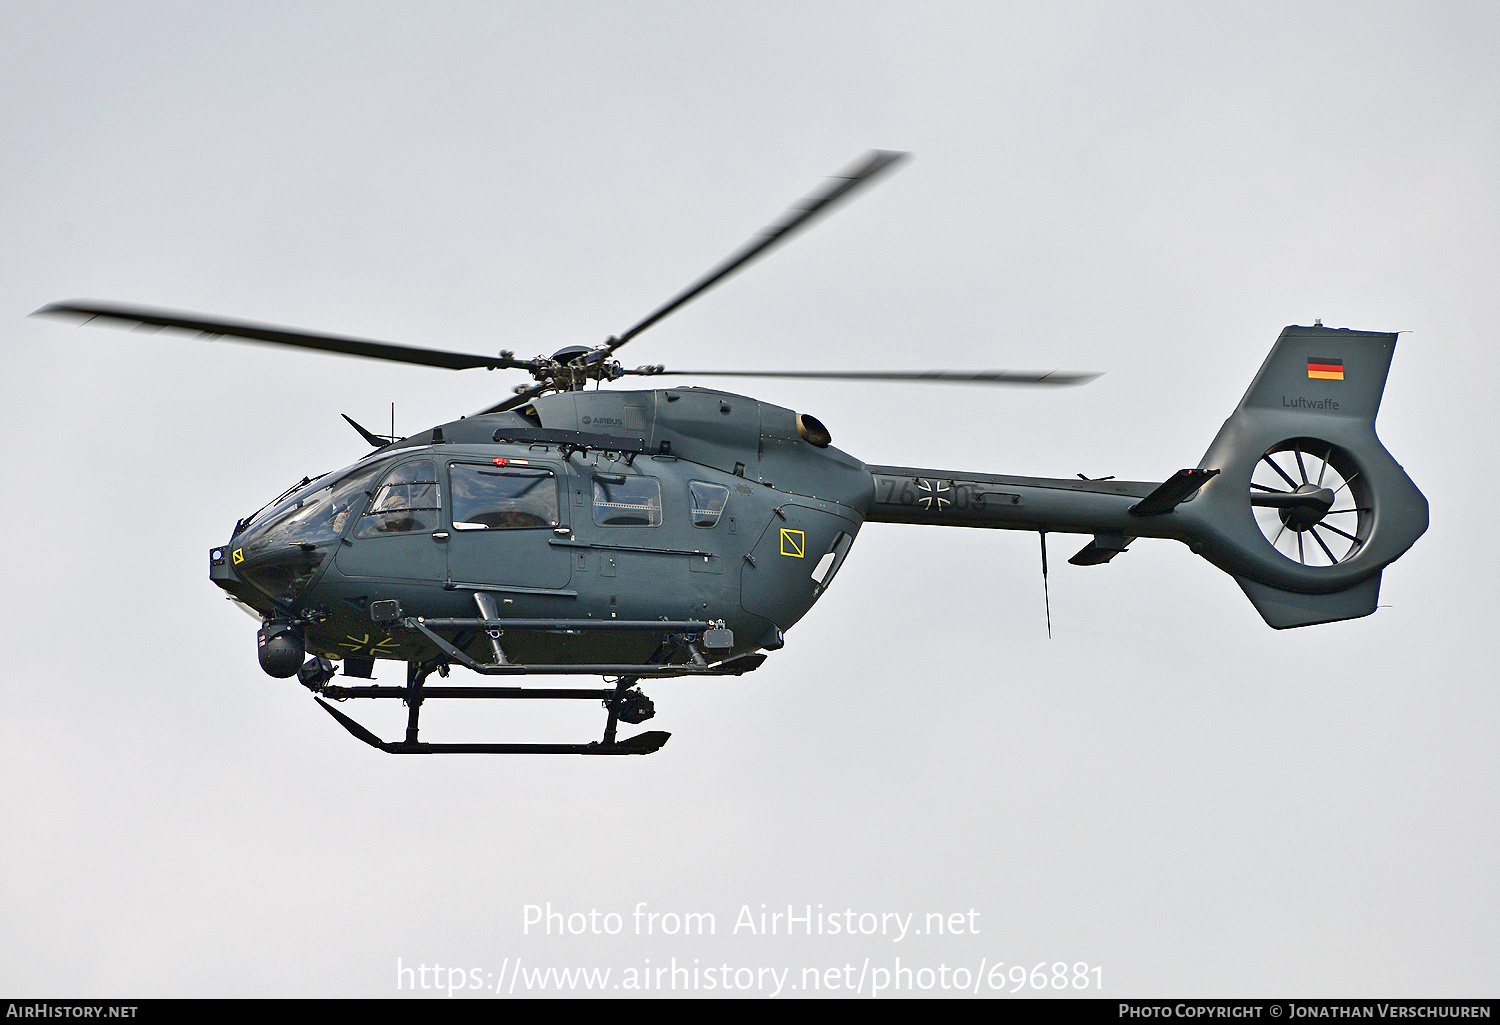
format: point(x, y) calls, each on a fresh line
point(1166, 790)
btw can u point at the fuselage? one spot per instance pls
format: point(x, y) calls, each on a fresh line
point(714, 508)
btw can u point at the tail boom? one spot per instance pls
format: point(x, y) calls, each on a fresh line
point(1313, 402)
point(955, 498)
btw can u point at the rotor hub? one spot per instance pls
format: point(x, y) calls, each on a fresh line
point(1310, 506)
point(571, 368)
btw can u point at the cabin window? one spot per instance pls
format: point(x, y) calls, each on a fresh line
point(708, 501)
point(408, 500)
point(490, 498)
point(627, 501)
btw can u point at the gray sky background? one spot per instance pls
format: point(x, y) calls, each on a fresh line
point(1167, 789)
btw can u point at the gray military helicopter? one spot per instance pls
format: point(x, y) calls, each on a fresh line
point(641, 535)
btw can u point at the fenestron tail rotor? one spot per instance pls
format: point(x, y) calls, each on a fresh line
point(1310, 502)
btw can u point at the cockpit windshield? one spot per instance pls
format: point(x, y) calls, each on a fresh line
point(316, 513)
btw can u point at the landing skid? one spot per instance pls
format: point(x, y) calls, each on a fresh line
point(640, 744)
point(622, 702)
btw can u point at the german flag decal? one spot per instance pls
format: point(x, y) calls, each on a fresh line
point(1322, 369)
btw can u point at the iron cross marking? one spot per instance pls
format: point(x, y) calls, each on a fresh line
point(936, 494)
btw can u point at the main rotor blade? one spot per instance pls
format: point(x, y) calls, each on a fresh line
point(518, 399)
point(1049, 377)
point(839, 187)
point(211, 327)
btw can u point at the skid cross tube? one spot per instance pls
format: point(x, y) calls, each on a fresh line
point(613, 704)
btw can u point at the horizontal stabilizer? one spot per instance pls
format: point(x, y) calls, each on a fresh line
point(1285, 609)
point(1177, 489)
point(1100, 550)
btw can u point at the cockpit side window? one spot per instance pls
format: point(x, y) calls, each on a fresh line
point(491, 498)
point(408, 500)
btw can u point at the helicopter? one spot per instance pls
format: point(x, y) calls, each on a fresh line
point(682, 531)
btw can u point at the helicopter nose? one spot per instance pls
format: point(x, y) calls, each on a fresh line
point(283, 573)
